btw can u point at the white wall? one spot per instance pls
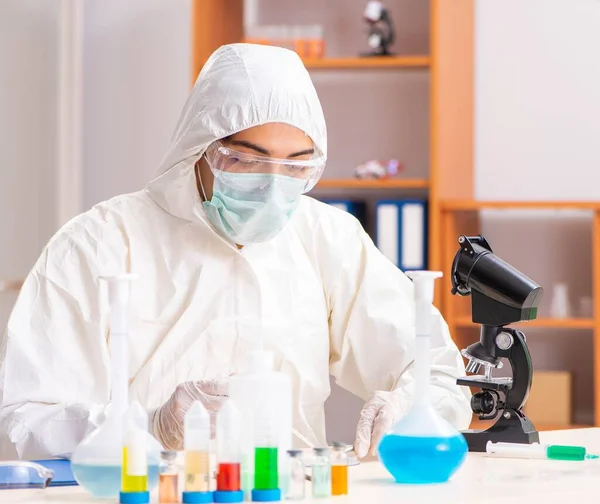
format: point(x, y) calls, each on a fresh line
point(137, 61)
point(537, 99)
point(28, 121)
point(136, 57)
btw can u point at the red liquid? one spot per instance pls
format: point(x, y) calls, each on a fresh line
point(228, 478)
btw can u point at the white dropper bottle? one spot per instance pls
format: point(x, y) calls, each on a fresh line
point(257, 384)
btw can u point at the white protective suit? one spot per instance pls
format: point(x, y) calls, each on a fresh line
point(320, 294)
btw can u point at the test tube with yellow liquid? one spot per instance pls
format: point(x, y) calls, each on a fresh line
point(196, 439)
point(134, 472)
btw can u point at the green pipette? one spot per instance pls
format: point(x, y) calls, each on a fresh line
point(538, 451)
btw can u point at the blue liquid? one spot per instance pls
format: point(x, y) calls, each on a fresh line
point(104, 481)
point(418, 460)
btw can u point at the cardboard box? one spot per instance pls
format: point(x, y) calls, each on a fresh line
point(550, 399)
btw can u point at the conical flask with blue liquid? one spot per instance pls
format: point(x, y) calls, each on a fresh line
point(422, 447)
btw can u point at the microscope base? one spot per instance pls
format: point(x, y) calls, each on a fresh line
point(377, 54)
point(515, 429)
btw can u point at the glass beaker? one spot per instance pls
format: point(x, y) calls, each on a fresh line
point(422, 447)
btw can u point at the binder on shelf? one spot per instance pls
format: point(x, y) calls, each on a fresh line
point(401, 232)
point(356, 208)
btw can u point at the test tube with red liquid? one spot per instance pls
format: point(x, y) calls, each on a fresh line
point(229, 431)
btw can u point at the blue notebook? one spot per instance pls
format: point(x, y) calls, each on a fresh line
point(63, 476)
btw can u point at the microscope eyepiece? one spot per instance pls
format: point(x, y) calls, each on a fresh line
point(501, 294)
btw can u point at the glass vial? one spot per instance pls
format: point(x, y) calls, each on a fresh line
point(339, 469)
point(168, 491)
point(321, 473)
point(297, 480)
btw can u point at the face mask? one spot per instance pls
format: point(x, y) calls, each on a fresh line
point(252, 207)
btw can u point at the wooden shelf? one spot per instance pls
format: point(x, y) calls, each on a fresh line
point(368, 62)
point(548, 323)
point(459, 205)
point(372, 184)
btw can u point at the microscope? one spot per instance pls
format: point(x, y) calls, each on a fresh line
point(381, 28)
point(500, 296)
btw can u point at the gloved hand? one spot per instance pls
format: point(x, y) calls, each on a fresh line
point(377, 416)
point(168, 420)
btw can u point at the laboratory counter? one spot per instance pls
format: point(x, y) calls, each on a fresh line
point(481, 479)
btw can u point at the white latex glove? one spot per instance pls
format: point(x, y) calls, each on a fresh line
point(377, 416)
point(168, 420)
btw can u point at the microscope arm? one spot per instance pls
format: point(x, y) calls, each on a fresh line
point(522, 369)
point(387, 19)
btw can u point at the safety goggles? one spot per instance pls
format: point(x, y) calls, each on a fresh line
point(223, 159)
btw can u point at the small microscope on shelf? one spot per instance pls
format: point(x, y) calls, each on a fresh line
point(501, 295)
point(381, 28)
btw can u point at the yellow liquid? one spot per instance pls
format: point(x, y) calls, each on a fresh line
point(197, 471)
point(132, 483)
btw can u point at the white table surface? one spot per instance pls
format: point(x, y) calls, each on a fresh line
point(480, 480)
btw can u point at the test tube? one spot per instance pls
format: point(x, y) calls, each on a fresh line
point(297, 485)
point(321, 473)
point(168, 492)
point(266, 455)
point(229, 432)
point(196, 440)
point(339, 470)
point(134, 471)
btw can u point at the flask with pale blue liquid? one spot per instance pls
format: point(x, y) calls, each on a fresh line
point(97, 460)
point(422, 447)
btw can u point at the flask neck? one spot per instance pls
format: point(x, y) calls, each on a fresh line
point(422, 369)
point(119, 349)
